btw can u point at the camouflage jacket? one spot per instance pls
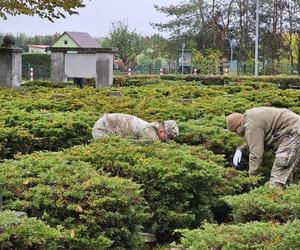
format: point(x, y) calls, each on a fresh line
point(125, 126)
point(265, 127)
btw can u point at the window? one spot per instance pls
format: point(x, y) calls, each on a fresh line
point(66, 42)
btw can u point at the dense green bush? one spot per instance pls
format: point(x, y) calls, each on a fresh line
point(41, 64)
point(36, 59)
point(209, 132)
point(28, 233)
point(23, 133)
point(137, 80)
point(160, 186)
point(94, 208)
point(255, 235)
point(266, 204)
point(47, 84)
point(180, 185)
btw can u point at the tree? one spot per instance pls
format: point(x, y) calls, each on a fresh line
point(22, 40)
point(150, 60)
point(292, 18)
point(128, 43)
point(159, 46)
point(207, 22)
point(50, 9)
point(213, 23)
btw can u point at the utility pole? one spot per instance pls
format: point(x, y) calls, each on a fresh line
point(232, 45)
point(256, 38)
point(182, 56)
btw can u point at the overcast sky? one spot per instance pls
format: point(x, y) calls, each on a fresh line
point(95, 18)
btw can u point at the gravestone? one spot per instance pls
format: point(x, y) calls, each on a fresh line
point(149, 241)
point(185, 100)
point(17, 214)
point(10, 63)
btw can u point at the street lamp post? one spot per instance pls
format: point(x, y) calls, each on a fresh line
point(182, 56)
point(232, 46)
point(256, 37)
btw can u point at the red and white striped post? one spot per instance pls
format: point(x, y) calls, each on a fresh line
point(161, 72)
point(31, 74)
point(129, 72)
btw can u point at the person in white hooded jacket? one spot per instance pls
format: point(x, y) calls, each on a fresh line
point(125, 125)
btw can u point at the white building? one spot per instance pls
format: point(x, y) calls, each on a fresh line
point(41, 49)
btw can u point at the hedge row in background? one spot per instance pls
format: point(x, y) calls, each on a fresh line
point(36, 59)
point(138, 80)
point(222, 80)
point(40, 63)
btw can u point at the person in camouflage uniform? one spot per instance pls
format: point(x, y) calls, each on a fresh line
point(268, 127)
point(131, 126)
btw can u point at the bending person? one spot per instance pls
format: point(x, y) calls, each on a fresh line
point(131, 126)
point(268, 127)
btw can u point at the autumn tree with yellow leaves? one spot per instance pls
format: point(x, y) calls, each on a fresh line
point(50, 9)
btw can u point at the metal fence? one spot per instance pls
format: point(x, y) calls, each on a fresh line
point(43, 72)
point(266, 69)
point(36, 72)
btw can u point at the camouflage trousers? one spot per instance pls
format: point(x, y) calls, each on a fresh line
point(286, 158)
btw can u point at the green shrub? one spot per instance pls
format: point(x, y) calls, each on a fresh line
point(41, 64)
point(36, 59)
point(255, 235)
point(121, 81)
point(28, 233)
point(180, 185)
point(94, 208)
point(209, 131)
point(46, 84)
point(24, 133)
point(283, 81)
point(266, 204)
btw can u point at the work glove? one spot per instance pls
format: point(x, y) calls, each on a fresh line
point(237, 158)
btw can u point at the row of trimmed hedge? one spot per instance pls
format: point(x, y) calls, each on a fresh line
point(36, 59)
point(222, 80)
point(138, 80)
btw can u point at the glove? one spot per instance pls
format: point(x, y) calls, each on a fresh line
point(237, 158)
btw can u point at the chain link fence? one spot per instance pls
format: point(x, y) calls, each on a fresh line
point(36, 72)
point(43, 72)
point(266, 69)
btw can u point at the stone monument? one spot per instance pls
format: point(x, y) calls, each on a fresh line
point(82, 63)
point(10, 63)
